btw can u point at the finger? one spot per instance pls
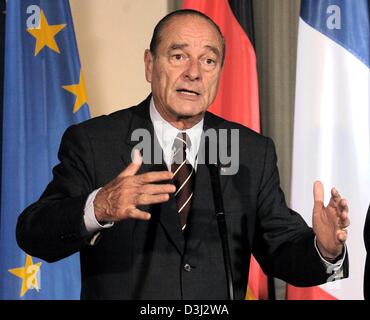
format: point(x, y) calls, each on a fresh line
point(344, 221)
point(343, 206)
point(136, 157)
point(318, 195)
point(335, 198)
point(158, 189)
point(134, 166)
point(335, 194)
point(342, 213)
point(155, 176)
point(146, 199)
point(136, 213)
point(342, 235)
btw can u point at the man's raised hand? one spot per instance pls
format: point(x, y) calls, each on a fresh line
point(329, 223)
point(120, 198)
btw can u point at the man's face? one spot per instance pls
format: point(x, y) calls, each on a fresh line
point(185, 72)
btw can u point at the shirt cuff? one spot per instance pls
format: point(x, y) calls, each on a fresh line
point(91, 224)
point(334, 270)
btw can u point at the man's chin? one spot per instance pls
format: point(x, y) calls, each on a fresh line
point(189, 113)
point(189, 109)
point(186, 117)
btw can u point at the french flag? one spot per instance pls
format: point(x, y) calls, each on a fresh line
point(332, 125)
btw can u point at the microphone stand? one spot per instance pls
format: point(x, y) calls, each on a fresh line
point(214, 171)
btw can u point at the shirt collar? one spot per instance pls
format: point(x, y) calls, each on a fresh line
point(166, 134)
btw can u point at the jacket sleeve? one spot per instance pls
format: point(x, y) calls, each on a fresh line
point(52, 228)
point(283, 243)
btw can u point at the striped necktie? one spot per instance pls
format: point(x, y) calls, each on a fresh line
point(183, 177)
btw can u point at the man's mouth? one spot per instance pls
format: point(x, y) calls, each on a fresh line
point(188, 92)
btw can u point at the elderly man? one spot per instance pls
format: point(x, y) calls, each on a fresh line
point(148, 230)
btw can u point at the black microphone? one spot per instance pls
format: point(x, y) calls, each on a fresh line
point(214, 171)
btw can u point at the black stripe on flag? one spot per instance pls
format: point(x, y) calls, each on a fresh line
point(243, 11)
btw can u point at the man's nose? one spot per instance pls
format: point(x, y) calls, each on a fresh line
point(193, 70)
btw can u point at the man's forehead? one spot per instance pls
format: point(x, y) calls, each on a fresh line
point(188, 19)
point(183, 46)
point(190, 26)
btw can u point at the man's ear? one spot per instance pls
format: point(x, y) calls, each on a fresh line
point(148, 60)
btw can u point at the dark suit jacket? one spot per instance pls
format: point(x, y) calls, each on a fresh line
point(367, 265)
point(145, 260)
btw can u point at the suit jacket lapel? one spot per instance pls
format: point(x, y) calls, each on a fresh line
point(166, 213)
point(213, 123)
point(140, 120)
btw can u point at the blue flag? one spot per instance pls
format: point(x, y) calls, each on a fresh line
point(44, 93)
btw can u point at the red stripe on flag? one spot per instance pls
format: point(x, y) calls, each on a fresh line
point(237, 98)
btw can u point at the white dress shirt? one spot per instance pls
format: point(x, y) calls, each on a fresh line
point(166, 134)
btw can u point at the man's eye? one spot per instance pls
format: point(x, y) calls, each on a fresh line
point(178, 57)
point(209, 63)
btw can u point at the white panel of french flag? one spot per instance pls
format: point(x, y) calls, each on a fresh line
point(332, 124)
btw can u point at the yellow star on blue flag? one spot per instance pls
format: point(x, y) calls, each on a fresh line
point(28, 274)
point(45, 34)
point(79, 90)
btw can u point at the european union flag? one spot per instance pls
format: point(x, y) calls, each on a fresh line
point(44, 93)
